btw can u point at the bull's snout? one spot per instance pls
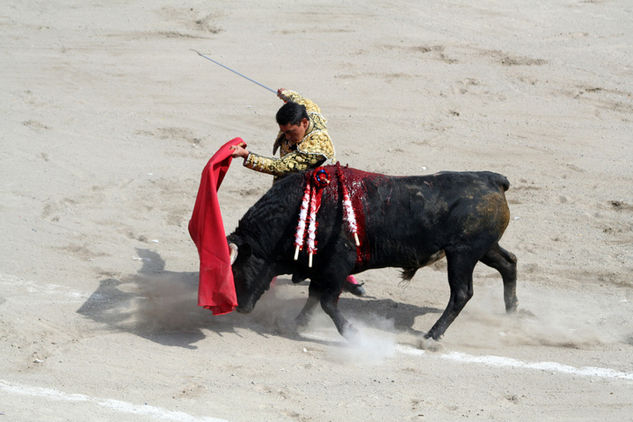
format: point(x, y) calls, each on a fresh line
point(245, 302)
point(245, 309)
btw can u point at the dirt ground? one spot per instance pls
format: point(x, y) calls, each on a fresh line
point(108, 118)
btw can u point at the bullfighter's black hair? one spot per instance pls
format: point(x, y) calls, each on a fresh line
point(291, 113)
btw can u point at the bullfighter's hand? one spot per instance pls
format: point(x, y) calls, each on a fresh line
point(239, 150)
point(280, 93)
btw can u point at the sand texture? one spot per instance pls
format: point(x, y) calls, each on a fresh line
point(108, 118)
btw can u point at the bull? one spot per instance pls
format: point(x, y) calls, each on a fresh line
point(406, 222)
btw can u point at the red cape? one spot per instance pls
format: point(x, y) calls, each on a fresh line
point(216, 289)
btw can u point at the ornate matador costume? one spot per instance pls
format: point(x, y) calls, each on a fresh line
point(313, 150)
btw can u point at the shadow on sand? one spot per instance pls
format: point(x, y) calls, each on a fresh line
point(161, 306)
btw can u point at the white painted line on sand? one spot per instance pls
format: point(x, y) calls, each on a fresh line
point(116, 405)
point(504, 362)
point(28, 288)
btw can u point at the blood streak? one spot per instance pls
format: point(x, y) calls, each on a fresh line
point(356, 181)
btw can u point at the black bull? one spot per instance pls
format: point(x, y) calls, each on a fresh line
point(406, 222)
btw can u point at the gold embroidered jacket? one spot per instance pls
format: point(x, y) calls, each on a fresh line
point(313, 150)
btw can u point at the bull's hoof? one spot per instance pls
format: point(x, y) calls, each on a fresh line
point(285, 327)
point(301, 321)
point(350, 333)
point(430, 345)
point(525, 313)
point(511, 306)
point(243, 310)
point(355, 289)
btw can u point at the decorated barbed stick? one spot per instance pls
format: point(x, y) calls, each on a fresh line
point(316, 180)
point(301, 225)
point(350, 217)
point(320, 178)
point(312, 226)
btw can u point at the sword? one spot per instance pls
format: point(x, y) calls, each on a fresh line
point(235, 71)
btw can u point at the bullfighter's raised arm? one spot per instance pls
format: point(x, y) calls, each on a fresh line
point(291, 162)
point(295, 97)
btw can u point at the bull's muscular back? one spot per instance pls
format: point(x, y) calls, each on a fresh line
point(409, 220)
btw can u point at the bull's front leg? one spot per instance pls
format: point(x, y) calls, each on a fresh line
point(314, 296)
point(336, 266)
point(329, 303)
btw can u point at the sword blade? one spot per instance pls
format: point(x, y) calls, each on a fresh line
point(235, 71)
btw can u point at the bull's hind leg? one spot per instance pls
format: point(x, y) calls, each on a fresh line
point(506, 263)
point(460, 279)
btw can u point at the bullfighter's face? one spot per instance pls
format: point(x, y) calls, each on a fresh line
point(295, 133)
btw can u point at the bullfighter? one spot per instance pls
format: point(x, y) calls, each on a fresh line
point(303, 142)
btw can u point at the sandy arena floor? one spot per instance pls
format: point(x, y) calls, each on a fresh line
point(108, 118)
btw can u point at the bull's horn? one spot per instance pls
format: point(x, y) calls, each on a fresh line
point(234, 251)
